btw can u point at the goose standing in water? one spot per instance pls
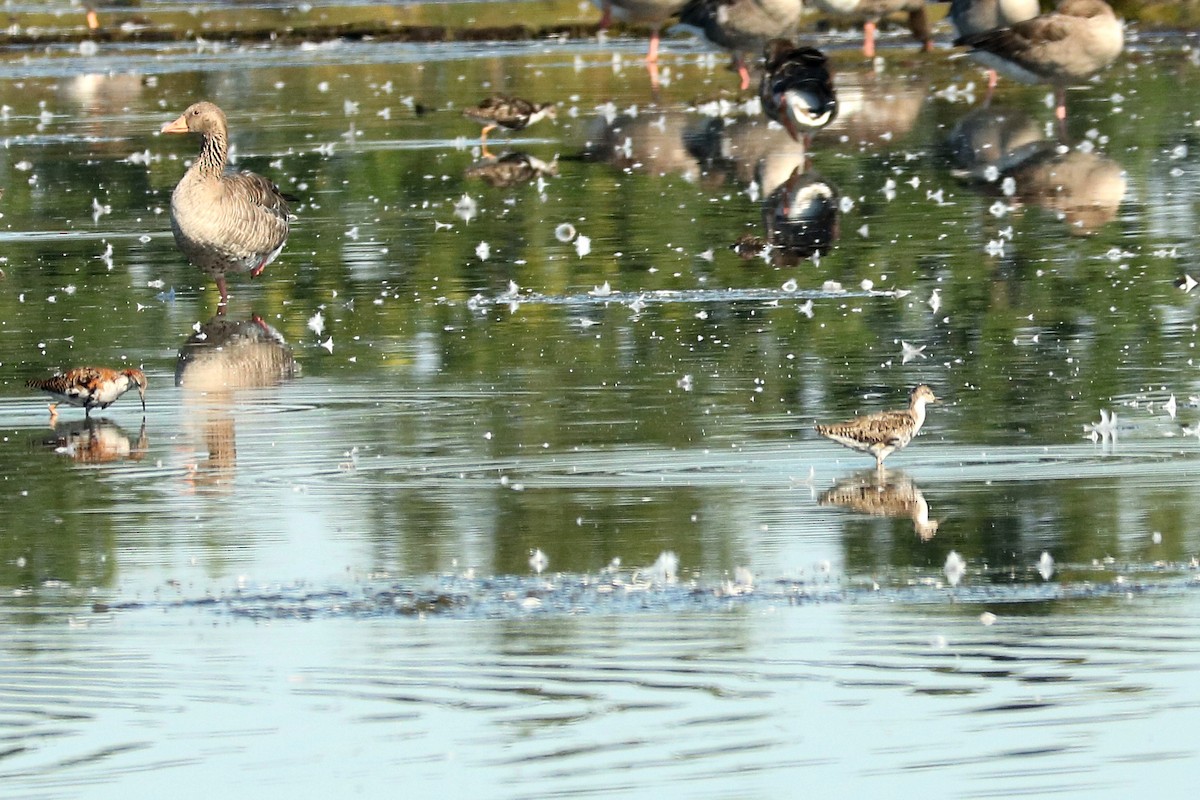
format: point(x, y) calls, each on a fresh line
point(871, 11)
point(741, 26)
point(224, 221)
point(972, 17)
point(654, 13)
point(1062, 48)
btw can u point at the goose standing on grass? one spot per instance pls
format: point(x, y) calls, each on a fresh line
point(797, 89)
point(871, 11)
point(884, 433)
point(741, 26)
point(224, 221)
point(1062, 48)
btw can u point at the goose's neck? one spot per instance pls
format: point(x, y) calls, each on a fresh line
point(917, 410)
point(214, 152)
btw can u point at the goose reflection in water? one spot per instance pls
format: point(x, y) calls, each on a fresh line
point(222, 356)
point(97, 441)
point(511, 169)
point(874, 107)
point(650, 142)
point(1082, 187)
point(800, 219)
point(887, 494)
point(234, 354)
point(750, 150)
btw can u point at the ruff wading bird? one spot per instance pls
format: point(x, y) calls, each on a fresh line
point(510, 113)
point(90, 387)
point(884, 433)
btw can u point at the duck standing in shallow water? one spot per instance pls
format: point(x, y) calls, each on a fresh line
point(1062, 48)
point(797, 89)
point(224, 221)
point(90, 387)
point(884, 433)
point(510, 113)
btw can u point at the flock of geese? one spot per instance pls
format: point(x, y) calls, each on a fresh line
point(1068, 45)
point(227, 221)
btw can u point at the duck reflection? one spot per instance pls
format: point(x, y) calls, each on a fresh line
point(1082, 187)
point(97, 441)
point(224, 355)
point(801, 217)
point(511, 169)
point(886, 494)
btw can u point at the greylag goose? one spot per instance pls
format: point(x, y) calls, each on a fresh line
point(224, 221)
point(741, 26)
point(884, 433)
point(510, 113)
point(654, 13)
point(90, 387)
point(871, 11)
point(796, 88)
point(1062, 48)
point(971, 17)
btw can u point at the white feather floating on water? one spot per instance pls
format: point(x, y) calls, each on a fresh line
point(1045, 566)
point(955, 568)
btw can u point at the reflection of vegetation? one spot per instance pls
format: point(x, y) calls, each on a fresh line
point(46, 543)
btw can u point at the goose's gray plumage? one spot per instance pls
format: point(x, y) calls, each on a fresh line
point(973, 17)
point(741, 26)
point(224, 221)
point(871, 11)
point(1063, 48)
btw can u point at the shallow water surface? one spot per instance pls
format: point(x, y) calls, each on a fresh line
point(309, 566)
